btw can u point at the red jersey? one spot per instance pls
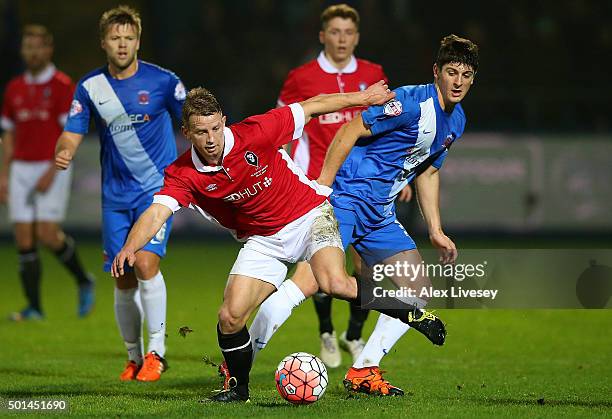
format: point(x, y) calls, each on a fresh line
point(35, 108)
point(312, 79)
point(257, 189)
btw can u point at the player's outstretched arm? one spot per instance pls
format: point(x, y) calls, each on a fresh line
point(376, 94)
point(428, 194)
point(340, 147)
point(65, 149)
point(147, 225)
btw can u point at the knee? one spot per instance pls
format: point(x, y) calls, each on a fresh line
point(230, 321)
point(48, 236)
point(307, 284)
point(146, 266)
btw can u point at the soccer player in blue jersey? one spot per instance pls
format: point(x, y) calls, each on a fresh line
point(131, 102)
point(371, 159)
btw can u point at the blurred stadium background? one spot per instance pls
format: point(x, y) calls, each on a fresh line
point(535, 159)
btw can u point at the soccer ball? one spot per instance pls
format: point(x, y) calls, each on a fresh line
point(301, 378)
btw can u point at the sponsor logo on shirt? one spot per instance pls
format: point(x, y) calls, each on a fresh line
point(143, 97)
point(75, 108)
point(211, 187)
point(338, 117)
point(249, 192)
point(393, 108)
point(24, 115)
point(126, 122)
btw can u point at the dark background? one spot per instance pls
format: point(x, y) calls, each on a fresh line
point(544, 64)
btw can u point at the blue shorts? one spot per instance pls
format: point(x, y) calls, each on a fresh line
point(116, 225)
point(374, 244)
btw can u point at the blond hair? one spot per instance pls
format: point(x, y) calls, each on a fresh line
point(339, 10)
point(120, 15)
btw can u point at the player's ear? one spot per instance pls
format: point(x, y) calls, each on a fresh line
point(322, 37)
point(357, 38)
point(435, 71)
point(184, 131)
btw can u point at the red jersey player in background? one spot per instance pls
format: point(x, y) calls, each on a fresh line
point(34, 110)
point(335, 70)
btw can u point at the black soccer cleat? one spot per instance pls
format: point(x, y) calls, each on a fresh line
point(231, 391)
point(428, 324)
point(230, 396)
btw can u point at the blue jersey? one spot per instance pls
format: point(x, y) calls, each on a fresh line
point(135, 128)
point(409, 134)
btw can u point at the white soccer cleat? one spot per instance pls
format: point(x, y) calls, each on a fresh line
point(353, 347)
point(330, 352)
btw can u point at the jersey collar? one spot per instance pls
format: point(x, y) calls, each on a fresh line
point(228, 136)
point(328, 67)
point(41, 78)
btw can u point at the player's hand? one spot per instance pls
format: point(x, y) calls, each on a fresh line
point(63, 159)
point(46, 180)
point(405, 194)
point(378, 93)
point(446, 247)
point(3, 188)
point(125, 255)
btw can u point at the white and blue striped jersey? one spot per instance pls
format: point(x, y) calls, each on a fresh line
point(409, 134)
point(133, 118)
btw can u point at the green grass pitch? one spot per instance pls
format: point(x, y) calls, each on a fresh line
point(507, 363)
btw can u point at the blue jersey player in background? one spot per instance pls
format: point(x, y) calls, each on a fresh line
point(132, 103)
point(371, 159)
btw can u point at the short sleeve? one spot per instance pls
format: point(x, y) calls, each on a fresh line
point(7, 121)
point(290, 92)
point(79, 113)
point(276, 127)
point(439, 161)
point(63, 103)
point(393, 115)
point(175, 96)
point(175, 193)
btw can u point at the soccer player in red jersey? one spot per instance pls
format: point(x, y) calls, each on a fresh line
point(240, 177)
point(335, 70)
point(34, 111)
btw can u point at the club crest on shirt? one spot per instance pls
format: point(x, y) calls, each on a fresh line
point(362, 86)
point(251, 158)
point(393, 108)
point(211, 187)
point(143, 97)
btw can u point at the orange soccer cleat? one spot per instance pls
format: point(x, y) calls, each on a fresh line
point(130, 371)
point(152, 368)
point(369, 380)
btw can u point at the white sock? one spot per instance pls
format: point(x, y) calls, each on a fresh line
point(128, 314)
point(386, 333)
point(273, 312)
point(153, 298)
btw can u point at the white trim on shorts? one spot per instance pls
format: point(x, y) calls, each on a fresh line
point(26, 205)
point(266, 257)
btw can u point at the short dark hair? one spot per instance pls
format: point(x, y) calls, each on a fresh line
point(339, 10)
point(121, 15)
point(454, 49)
point(38, 31)
point(201, 102)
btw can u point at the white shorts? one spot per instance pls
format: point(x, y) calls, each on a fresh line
point(265, 257)
point(26, 205)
